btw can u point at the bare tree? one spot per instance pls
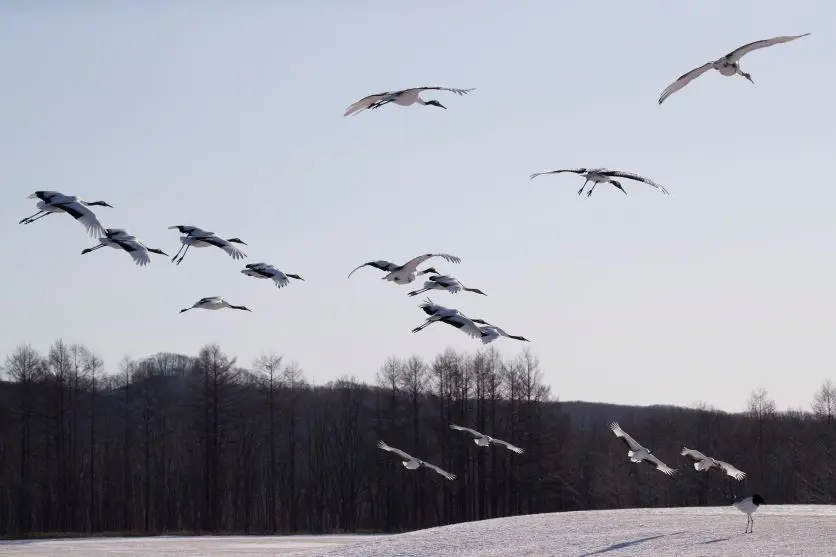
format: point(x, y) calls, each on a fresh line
point(824, 402)
point(293, 379)
point(25, 367)
point(217, 372)
point(270, 369)
point(760, 408)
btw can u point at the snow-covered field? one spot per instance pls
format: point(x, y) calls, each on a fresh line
point(177, 546)
point(788, 530)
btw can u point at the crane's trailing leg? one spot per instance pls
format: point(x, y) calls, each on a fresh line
point(34, 217)
point(182, 256)
point(416, 292)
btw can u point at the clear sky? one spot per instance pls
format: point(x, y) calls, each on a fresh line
point(229, 116)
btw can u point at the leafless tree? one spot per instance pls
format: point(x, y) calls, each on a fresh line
point(824, 402)
point(269, 368)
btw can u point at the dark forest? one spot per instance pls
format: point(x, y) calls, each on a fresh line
point(182, 444)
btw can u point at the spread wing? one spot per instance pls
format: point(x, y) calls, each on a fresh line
point(280, 279)
point(625, 437)
point(463, 324)
point(381, 264)
point(451, 89)
point(731, 470)
point(270, 272)
point(83, 215)
point(575, 170)
point(385, 447)
point(631, 176)
point(365, 103)
point(452, 284)
point(473, 432)
point(444, 473)
point(231, 250)
point(262, 269)
point(684, 80)
point(738, 53)
point(456, 320)
point(136, 250)
point(509, 446)
point(412, 264)
point(661, 466)
point(695, 454)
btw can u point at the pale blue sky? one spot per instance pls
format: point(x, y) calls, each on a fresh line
point(228, 116)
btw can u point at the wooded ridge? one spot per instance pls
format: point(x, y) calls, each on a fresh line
point(179, 444)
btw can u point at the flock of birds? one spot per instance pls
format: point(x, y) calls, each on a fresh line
point(636, 453)
point(52, 202)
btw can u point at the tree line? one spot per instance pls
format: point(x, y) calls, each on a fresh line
point(180, 444)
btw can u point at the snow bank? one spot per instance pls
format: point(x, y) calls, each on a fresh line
point(790, 530)
point(797, 531)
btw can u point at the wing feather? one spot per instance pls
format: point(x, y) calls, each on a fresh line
point(631, 176)
point(731, 470)
point(509, 446)
point(451, 89)
point(458, 321)
point(380, 264)
point(231, 250)
point(463, 324)
point(684, 80)
point(365, 103)
point(693, 453)
point(739, 52)
point(441, 471)
point(467, 429)
point(280, 279)
point(452, 284)
point(137, 251)
point(661, 466)
point(575, 170)
point(385, 447)
point(413, 263)
point(83, 215)
point(625, 437)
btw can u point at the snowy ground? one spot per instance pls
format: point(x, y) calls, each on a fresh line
point(791, 530)
point(177, 546)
